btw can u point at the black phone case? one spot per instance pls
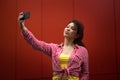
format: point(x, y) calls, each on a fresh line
point(26, 15)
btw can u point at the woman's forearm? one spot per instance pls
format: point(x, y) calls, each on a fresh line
point(22, 26)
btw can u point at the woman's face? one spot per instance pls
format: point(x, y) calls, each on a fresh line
point(70, 31)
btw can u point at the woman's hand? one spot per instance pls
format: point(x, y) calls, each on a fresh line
point(21, 21)
point(20, 17)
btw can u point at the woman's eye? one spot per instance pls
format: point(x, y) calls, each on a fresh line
point(67, 26)
point(73, 28)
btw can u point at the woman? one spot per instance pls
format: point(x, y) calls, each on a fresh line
point(69, 59)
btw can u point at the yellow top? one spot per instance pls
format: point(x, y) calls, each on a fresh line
point(64, 60)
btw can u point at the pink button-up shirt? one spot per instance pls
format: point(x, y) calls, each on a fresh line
point(78, 62)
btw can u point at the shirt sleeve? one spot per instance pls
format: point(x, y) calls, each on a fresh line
point(85, 66)
point(37, 44)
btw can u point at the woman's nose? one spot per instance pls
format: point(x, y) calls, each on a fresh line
point(68, 29)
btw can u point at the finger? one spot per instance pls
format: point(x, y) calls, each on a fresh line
point(21, 13)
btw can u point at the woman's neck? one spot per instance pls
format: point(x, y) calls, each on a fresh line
point(68, 42)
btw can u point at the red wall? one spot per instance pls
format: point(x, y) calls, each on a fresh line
point(7, 39)
point(117, 23)
point(18, 61)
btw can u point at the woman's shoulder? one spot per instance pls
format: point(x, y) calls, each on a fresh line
point(55, 45)
point(81, 47)
point(82, 50)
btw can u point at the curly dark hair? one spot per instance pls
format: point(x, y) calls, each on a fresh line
point(80, 32)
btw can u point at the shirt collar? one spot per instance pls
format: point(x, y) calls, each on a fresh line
point(76, 45)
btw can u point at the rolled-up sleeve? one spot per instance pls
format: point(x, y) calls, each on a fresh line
point(85, 66)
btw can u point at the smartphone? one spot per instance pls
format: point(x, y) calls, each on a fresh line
point(26, 15)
